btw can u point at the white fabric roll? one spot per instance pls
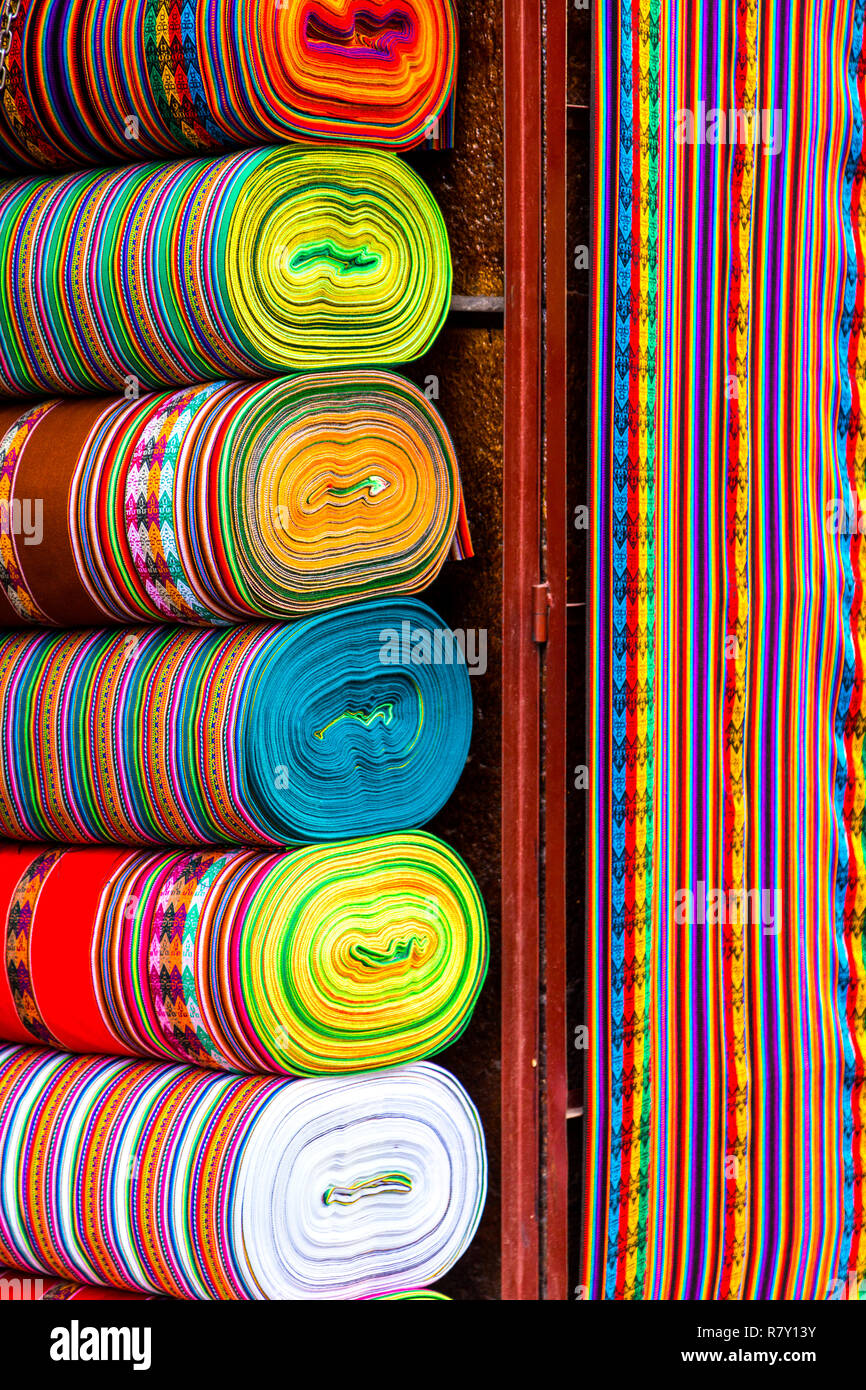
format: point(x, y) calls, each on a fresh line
point(201, 1185)
point(355, 1184)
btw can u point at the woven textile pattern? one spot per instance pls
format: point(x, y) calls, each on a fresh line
point(224, 502)
point(18, 1287)
point(174, 1180)
point(727, 990)
point(89, 81)
point(337, 958)
point(247, 735)
point(166, 274)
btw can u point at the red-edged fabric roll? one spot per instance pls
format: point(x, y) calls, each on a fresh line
point(64, 891)
point(333, 959)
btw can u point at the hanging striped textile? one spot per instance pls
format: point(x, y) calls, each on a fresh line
point(175, 1180)
point(167, 274)
point(353, 722)
point(89, 81)
point(223, 502)
point(726, 1153)
point(337, 958)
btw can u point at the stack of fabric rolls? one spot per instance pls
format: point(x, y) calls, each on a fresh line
point(229, 947)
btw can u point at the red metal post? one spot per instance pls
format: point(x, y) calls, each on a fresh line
point(521, 664)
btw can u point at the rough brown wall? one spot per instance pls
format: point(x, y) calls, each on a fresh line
point(467, 183)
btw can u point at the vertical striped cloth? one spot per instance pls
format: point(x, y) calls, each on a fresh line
point(337, 958)
point(93, 81)
point(174, 1180)
point(224, 501)
point(328, 728)
point(167, 274)
point(726, 1023)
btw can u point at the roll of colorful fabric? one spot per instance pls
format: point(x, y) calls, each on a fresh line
point(89, 81)
point(172, 1179)
point(17, 1286)
point(356, 721)
point(166, 274)
point(224, 501)
point(337, 958)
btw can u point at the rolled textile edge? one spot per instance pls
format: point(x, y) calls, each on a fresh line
point(19, 1286)
point(170, 1179)
point(337, 958)
point(261, 262)
point(225, 501)
point(351, 722)
point(297, 71)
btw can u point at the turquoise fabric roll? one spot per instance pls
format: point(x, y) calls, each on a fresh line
point(352, 722)
point(371, 738)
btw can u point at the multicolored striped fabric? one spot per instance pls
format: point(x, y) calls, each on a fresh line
point(16, 1286)
point(223, 502)
point(92, 81)
point(337, 958)
point(727, 991)
point(328, 728)
point(175, 1180)
point(167, 274)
